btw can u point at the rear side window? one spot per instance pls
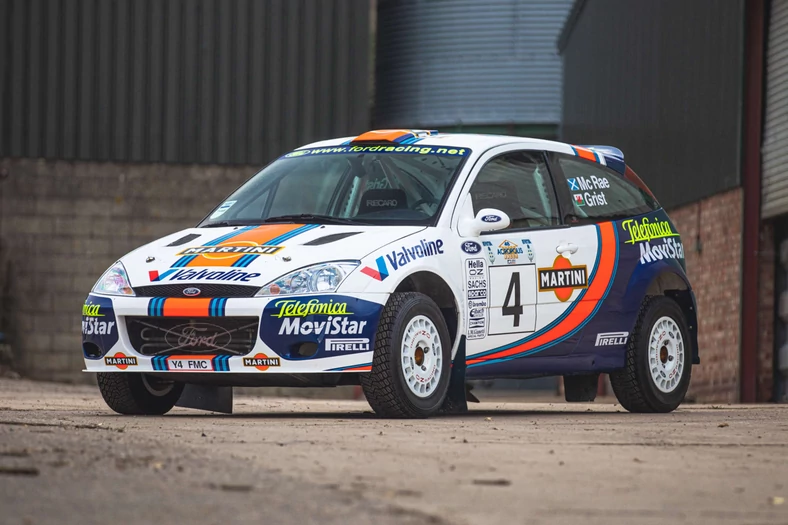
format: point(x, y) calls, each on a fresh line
point(600, 194)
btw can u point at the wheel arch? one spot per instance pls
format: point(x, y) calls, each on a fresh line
point(676, 286)
point(436, 288)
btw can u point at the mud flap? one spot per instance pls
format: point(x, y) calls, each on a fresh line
point(207, 397)
point(456, 401)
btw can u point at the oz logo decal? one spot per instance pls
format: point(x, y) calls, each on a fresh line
point(563, 278)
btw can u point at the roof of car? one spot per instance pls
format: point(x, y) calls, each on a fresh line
point(607, 155)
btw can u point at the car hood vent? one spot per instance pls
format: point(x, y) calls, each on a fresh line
point(330, 238)
point(185, 239)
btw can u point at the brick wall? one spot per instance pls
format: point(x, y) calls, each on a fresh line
point(63, 223)
point(711, 233)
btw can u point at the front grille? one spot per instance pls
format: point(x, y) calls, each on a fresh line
point(206, 290)
point(192, 335)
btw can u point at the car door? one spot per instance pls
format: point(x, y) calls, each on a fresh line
point(535, 268)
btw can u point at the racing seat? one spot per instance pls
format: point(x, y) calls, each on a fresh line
point(501, 195)
point(378, 200)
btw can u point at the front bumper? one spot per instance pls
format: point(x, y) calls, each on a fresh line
point(288, 335)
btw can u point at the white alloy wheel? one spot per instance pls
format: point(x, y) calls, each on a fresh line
point(422, 356)
point(666, 354)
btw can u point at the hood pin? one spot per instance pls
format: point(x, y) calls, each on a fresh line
point(287, 258)
point(150, 259)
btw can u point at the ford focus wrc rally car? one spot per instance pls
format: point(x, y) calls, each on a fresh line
point(408, 262)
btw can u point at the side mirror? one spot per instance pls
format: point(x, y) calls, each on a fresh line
point(487, 220)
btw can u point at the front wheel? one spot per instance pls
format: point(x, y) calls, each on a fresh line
point(411, 361)
point(138, 394)
point(658, 359)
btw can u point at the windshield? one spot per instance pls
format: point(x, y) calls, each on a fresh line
point(359, 184)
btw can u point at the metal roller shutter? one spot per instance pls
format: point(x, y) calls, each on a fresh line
point(775, 137)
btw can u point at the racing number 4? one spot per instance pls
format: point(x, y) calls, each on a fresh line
point(516, 309)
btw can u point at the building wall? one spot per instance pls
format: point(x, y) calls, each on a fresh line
point(183, 81)
point(662, 81)
point(715, 225)
point(468, 63)
point(62, 223)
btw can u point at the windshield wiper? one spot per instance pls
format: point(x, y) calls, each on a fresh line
point(236, 222)
point(310, 217)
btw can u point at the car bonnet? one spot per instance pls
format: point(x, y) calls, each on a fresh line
point(252, 255)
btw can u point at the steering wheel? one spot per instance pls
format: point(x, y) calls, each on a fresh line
point(426, 200)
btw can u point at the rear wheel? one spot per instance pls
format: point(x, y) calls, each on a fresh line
point(412, 359)
point(138, 394)
point(658, 359)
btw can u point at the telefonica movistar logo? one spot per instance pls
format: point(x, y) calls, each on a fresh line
point(643, 230)
point(296, 308)
point(91, 310)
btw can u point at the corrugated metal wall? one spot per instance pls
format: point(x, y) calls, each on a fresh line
point(662, 80)
point(775, 130)
point(206, 81)
point(452, 62)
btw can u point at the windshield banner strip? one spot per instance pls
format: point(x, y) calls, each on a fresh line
point(449, 151)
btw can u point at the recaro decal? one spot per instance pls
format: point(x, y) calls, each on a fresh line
point(643, 231)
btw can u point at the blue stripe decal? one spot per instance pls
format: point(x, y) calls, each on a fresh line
point(222, 306)
point(347, 367)
point(229, 235)
point(159, 362)
point(156, 307)
point(574, 151)
point(290, 235)
point(559, 318)
point(245, 261)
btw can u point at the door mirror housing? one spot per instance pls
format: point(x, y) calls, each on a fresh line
point(487, 220)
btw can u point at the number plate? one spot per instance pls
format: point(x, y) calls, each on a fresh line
point(190, 364)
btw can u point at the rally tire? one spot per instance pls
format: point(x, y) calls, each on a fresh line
point(135, 394)
point(634, 385)
point(386, 387)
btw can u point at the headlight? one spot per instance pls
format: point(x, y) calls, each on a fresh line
point(318, 278)
point(114, 281)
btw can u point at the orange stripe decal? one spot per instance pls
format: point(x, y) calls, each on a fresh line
point(256, 237)
point(177, 307)
point(585, 153)
point(383, 135)
point(582, 309)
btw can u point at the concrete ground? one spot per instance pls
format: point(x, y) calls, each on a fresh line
point(66, 458)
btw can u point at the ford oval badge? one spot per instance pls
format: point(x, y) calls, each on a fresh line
point(491, 218)
point(471, 247)
point(191, 292)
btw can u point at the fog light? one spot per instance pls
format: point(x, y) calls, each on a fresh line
point(307, 349)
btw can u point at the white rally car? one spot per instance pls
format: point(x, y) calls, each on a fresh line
point(407, 262)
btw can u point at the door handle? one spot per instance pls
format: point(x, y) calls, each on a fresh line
point(566, 247)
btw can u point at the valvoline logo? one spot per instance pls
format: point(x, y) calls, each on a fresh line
point(381, 273)
point(398, 258)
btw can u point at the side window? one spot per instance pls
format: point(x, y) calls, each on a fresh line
point(519, 185)
point(599, 193)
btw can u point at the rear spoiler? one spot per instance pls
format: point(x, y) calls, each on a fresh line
point(614, 157)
